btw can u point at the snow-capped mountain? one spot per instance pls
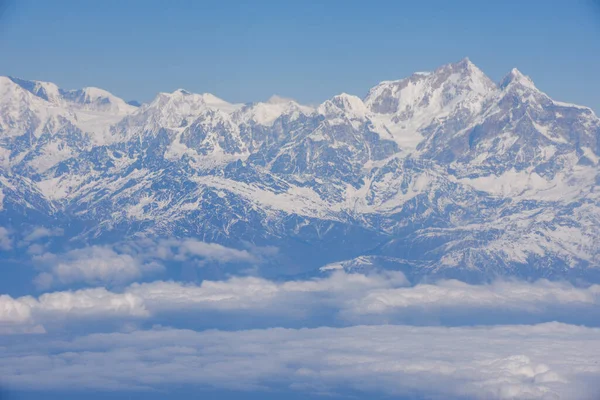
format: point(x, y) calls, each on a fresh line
point(444, 172)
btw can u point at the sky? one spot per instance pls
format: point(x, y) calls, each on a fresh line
point(310, 51)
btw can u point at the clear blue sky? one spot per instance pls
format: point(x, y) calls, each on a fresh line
point(309, 50)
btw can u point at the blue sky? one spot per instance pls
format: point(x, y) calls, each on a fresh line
point(247, 51)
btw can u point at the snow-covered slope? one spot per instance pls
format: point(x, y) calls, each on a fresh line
point(443, 172)
point(91, 109)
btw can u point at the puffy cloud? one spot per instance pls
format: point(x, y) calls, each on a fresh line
point(192, 248)
point(379, 297)
point(13, 311)
point(547, 361)
point(27, 314)
point(452, 296)
point(339, 299)
point(36, 249)
point(249, 294)
point(97, 302)
point(235, 293)
point(92, 265)
point(125, 262)
point(15, 317)
point(42, 232)
point(6, 242)
point(262, 295)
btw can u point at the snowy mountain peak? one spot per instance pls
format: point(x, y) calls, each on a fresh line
point(181, 92)
point(276, 99)
point(344, 104)
point(97, 100)
point(88, 99)
point(165, 96)
point(173, 111)
point(186, 100)
point(445, 169)
point(266, 113)
point(45, 90)
point(93, 93)
point(345, 100)
point(467, 73)
point(516, 77)
point(431, 93)
point(7, 86)
point(465, 64)
point(22, 111)
point(92, 110)
point(217, 103)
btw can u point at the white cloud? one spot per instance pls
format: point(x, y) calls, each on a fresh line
point(27, 314)
point(547, 361)
point(235, 293)
point(92, 265)
point(15, 317)
point(193, 249)
point(36, 249)
point(249, 294)
point(211, 251)
point(342, 298)
point(42, 232)
point(125, 262)
point(262, 295)
point(376, 298)
point(537, 297)
point(97, 302)
point(6, 242)
point(13, 311)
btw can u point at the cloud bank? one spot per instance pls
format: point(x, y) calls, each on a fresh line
point(94, 265)
point(114, 265)
point(451, 343)
point(341, 298)
point(547, 361)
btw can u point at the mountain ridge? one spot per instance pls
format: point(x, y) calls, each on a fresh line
point(447, 169)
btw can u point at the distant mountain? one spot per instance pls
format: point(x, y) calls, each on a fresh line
point(444, 173)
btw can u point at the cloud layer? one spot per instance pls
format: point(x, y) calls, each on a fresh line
point(123, 263)
point(341, 298)
point(437, 352)
point(94, 265)
point(547, 361)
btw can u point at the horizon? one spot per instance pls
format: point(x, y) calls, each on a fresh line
point(277, 97)
point(138, 49)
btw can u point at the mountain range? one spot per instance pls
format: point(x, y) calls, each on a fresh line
point(444, 173)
